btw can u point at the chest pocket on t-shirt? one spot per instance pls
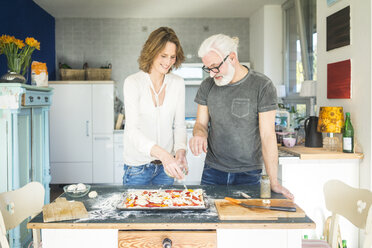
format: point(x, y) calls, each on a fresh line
point(240, 107)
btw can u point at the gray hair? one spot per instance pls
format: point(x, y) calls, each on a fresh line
point(219, 43)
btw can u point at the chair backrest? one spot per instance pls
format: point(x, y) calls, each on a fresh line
point(353, 204)
point(17, 205)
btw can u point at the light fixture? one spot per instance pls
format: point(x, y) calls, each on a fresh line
point(308, 89)
point(331, 121)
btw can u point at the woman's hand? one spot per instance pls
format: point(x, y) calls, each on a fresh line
point(169, 162)
point(181, 160)
point(171, 167)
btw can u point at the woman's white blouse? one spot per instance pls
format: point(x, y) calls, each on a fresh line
point(147, 125)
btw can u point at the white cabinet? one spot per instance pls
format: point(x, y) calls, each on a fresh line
point(195, 163)
point(81, 126)
point(306, 179)
point(118, 157)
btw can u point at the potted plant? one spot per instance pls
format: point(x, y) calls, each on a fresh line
point(18, 54)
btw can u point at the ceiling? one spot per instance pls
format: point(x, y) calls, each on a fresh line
point(153, 8)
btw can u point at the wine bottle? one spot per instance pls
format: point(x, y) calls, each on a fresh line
point(344, 245)
point(348, 136)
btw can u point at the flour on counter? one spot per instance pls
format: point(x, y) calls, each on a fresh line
point(104, 208)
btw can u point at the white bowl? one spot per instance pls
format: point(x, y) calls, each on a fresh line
point(76, 193)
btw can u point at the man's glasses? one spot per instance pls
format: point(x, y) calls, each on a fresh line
point(214, 69)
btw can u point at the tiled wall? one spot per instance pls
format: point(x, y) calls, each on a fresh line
point(119, 42)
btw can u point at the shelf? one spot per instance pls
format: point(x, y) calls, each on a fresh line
point(307, 153)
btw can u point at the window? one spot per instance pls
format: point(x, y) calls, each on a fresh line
point(294, 69)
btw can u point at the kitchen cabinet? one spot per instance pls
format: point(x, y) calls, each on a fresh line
point(306, 177)
point(118, 157)
point(195, 163)
point(82, 121)
point(24, 142)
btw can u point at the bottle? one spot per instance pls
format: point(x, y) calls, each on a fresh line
point(348, 136)
point(265, 187)
point(344, 244)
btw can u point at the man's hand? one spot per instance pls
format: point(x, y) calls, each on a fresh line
point(280, 189)
point(198, 145)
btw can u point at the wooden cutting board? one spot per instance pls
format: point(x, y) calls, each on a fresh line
point(230, 211)
point(62, 209)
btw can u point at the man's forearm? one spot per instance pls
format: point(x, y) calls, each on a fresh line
point(200, 130)
point(270, 157)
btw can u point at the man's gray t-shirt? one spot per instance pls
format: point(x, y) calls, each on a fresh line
point(234, 143)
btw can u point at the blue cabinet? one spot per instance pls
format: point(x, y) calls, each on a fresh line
point(24, 141)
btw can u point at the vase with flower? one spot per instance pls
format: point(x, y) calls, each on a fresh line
point(18, 55)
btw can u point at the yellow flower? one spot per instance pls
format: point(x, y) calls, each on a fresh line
point(33, 43)
point(19, 43)
point(18, 52)
point(6, 39)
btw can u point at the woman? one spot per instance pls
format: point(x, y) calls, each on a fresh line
point(154, 101)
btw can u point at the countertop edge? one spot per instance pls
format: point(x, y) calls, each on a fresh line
point(152, 226)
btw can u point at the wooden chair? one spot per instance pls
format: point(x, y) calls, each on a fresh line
point(17, 205)
point(353, 204)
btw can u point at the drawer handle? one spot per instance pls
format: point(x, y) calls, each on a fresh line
point(46, 99)
point(167, 243)
point(31, 98)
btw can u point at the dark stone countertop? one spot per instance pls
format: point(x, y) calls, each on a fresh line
point(103, 212)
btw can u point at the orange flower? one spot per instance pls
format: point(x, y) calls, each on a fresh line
point(6, 39)
point(33, 43)
point(20, 44)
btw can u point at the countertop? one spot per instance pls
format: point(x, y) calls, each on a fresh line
point(104, 215)
point(308, 153)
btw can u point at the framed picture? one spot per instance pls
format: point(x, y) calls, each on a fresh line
point(339, 80)
point(338, 29)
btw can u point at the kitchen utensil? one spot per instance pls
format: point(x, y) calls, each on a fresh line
point(277, 208)
point(76, 193)
point(313, 138)
point(62, 209)
point(230, 211)
point(245, 195)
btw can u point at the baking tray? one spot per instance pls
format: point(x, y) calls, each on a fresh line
point(121, 205)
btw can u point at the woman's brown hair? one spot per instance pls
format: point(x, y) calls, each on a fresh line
point(155, 44)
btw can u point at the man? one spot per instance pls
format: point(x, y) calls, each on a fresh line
point(239, 106)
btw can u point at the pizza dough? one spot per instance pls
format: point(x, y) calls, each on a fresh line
point(92, 194)
point(187, 198)
point(81, 187)
point(71, 188)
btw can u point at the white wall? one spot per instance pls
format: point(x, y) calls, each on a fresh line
point(360, 54)
point(256, 37)
point(266, 39)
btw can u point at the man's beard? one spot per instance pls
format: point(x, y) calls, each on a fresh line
point(226, 79)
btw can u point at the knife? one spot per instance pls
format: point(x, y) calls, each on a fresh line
point(288, 209)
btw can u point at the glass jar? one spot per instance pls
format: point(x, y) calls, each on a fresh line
point(265, 187)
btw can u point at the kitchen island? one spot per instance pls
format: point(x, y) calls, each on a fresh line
point(109, 227)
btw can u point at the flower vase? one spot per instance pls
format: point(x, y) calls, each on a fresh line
point(14, 71)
